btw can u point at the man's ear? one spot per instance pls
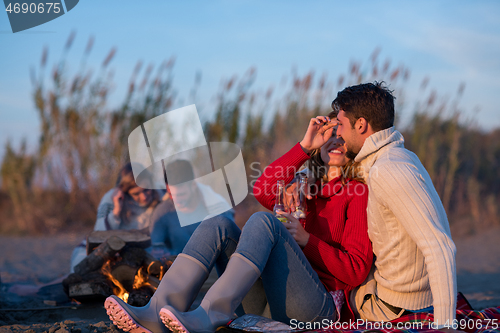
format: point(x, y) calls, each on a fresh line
point(361, 125)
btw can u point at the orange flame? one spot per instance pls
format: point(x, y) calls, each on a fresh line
point(141, 279)
point(162, 272)
point(118, 289)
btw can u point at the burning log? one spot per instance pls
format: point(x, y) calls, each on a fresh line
point(133, 256)
point(117, 264)
point(100, 255)
point(86, 291)
point(137, 257)
point(140, 297)
point(94, 286)
point(73, 278)
point(133, 238)
point(153, 282)
point(128, 274)
point(153, 266)
point(127, 267)
point(125, 275)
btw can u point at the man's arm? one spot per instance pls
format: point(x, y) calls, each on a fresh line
point(406, 189)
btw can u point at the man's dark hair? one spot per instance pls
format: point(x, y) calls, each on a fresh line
point(179, 171)
point(372, 101)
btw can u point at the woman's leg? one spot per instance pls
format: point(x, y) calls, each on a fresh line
point(211, 245)
point(267, 248)
point(293, 288)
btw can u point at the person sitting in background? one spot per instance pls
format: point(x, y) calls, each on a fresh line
point(130, 207)
point(124, 207)
point(193, 203)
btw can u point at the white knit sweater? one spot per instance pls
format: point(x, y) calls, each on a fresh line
point(407, 224)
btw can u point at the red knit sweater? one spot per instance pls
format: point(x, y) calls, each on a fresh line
point(338, 249)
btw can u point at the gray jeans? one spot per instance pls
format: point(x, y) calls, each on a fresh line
point(290, 285)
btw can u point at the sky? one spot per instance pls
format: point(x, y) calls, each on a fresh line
point(450, 42)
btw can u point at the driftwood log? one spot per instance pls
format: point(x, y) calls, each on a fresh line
point(140, 297)
point(90, 291)
point(133, 238)
point(117, 258)
point(100, 255)
point(127, 267)
point(132, 256)
point(125, 275)
point(152, 265)
point(93, 286)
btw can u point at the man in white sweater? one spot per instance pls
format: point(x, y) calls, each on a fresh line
point(414, 267)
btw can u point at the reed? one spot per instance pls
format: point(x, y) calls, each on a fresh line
point(83, 141)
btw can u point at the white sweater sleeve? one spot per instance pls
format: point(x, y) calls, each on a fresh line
point(407, 191)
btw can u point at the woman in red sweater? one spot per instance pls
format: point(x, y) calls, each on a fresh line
point(297, 265)
point(334, 237)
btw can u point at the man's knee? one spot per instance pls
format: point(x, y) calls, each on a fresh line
point(167, 220)
point(219, 222)
point(262, 218)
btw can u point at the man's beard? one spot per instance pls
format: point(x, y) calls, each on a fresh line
point(350, 154)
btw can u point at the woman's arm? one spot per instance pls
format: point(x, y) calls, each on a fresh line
point(106, 220)
point(284, 168)
point(318, 132)
point(352, 262)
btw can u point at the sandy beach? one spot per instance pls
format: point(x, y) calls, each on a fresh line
point(35, 260)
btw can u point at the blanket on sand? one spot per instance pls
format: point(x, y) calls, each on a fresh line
point(467, 320)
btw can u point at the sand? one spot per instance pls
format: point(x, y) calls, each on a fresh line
point(478, 268)
point(32, 260)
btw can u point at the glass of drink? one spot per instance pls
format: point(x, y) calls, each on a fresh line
point(300, 206)
point(280, 203)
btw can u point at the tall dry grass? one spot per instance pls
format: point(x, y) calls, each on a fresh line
point(83, 142)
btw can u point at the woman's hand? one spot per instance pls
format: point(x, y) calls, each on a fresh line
point(295, 228)
point(291, 194)
point(118, 202)
point(319, 131)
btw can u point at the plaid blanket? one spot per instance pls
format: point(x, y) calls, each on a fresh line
point(468, 320)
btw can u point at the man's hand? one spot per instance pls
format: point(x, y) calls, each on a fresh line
point(295, 228)
point(118, 202)
point(319, 131)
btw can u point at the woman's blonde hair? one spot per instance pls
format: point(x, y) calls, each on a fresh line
point(350, 171)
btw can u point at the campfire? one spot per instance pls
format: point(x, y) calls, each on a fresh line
point(117, 264)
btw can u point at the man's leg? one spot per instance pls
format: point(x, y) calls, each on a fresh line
point(167, 230)
point(368, 306)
